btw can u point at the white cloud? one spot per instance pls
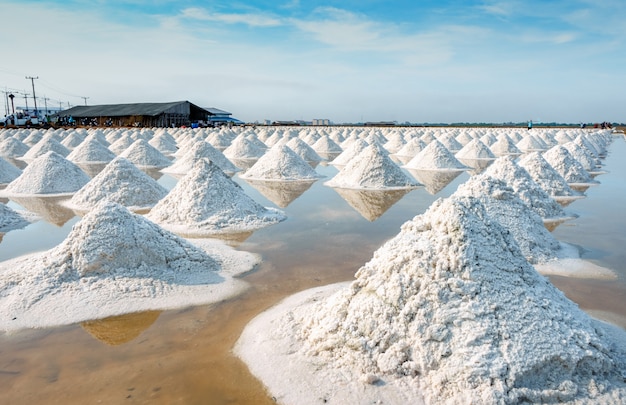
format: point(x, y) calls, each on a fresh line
point(250, 19)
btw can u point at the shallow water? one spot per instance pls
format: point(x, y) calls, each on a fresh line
point(184, 356)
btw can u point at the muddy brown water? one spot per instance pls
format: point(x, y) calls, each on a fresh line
point(184, 356)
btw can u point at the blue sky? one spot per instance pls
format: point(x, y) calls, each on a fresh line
point(348, 61)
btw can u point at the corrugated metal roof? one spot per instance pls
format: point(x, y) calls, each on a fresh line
point(217, 111)
point(123, 110)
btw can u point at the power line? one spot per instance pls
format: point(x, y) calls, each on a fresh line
point(32, 81)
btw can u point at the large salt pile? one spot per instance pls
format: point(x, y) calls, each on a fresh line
point(91, 151)
point(8, 172)
point(11, 219)
point(206, 201)
point(564, 163)
point(121, 182)
point(435, 156)
point(448, 311)
point(372, 168)
point(198, 151)
point(115, 262)
point(244, 148)
point(350, 152)
point(47, 144)
point(303, 150)
point(547, 178)
point(505, 168)
point(13, 148)
point(49, 174)
point(588, 161)
point(280, 163)
point(144, 155)
point(502, 204)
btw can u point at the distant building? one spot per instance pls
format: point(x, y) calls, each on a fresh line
point(321, 121)
point(220, 117)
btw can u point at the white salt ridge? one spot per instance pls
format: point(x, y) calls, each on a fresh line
point(303, 150)
point(564, 163)
point(475, 149)
point(350, 152)
point(547, 178)
point(244, 148)
point(11, 219)
point(114, 262)
point(8, 172)
point(91, 151)
point(49, 174)
point(46, 144)
point(449, 307)
point(198, 151)
point(435, 156)
point(505, 168)
point(120, 182)
point(144, 155)
point(206, 201)
point(13, 148)
point(503, 205)
point(373, 169)
point(280, 163)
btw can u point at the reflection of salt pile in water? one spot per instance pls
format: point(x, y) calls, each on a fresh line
point(206, 201)
point(11, 219)
point(144, 155)
point(568, 167)
point(120, 182)
point(435, 156)
point(350, 152)
point(200, 150)
point(448, 311)
point(547, 178)
point(371, 203)
point(505, 168)
point(281, 193)
point(48, 174)
point(8, 172)
point(115, 262)
point(91, 151)
point(434, 180)
point(502, 204)
point(120, 329)
point(280, 163)
point(13, 148)
point(372, 169)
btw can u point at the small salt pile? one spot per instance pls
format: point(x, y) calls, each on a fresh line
point(198, 151)
point(449, 141)
point(244, 148)
point(410, 149)
point(11, 219)
point(8, 172)
point(503, 146)
point(122, 143)
point(73, 139)
point(531, 143)
point(303, 150)
point(46, 144)
point(13, 148)
point(435, 156)
point(280, 163)
point(33, 137)
point(48, 174)
point(547, 178)
point(502, 204)
point(505, 168)
point(206, 201)
point(475, 149)
point(326, 145)
point(144, 155)
point(568, 167)
point(583, 156)
point(120, 182)
point(350, 152)
point(91, 151)
point(372, 168)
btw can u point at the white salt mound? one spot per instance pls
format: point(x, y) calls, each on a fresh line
point(121, 182)
point(303, 150)
point(326, 145)
point(206, 201)
point(91, 151)
point(411, 148)
point(142, 154)
point(8, 172)
point(49, 174)
point(449, 307)
point(47, 144)
point(435, 156)
point(280, 163)
point(564, 163)
point(475, 149)
point(373, 169)
point(198, 151)
point(13, 148)
point(244, 148)
point(546, 177)
point(504, 145)
point(115, 262)
point(350, 152)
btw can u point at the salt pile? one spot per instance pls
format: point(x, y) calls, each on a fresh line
point(303, 150)
point(121, 182)
point(144, 155)
point(13, 148)
point(244, 148)
point(504, 145)
point(475, 149)
point(164, 143)
point(91, 151)
point(350, 152)
point(547, 178)
point(206, 201)
point(505, 168)
point(503, 205)
point(410, 149)
point(531, 143)
point(8, 172)
point(11, 219)
point(198, 151)
point(372, 169)
point(46, 144)
point(564, 163)
point(72, 139)
point(448, 311)
point(121, 144)
point(326, 145)
point(280, 163)
point(435, 156)
point(115, 262)
point(49, 174)
point(583, 156)
point(450, 142)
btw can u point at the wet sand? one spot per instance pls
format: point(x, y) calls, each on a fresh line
point(184, 356)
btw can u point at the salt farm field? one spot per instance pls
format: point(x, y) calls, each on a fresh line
point(184, 356)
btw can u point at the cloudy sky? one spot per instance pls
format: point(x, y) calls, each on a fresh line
point(348, 61)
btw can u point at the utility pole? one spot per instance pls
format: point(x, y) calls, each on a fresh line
point(25, 100)
point(84, 98)
point(45, 102)
point(32, 81)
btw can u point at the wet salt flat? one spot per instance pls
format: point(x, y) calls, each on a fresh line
point(184, 356)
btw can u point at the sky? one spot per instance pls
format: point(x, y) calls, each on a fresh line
point(348, 61)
